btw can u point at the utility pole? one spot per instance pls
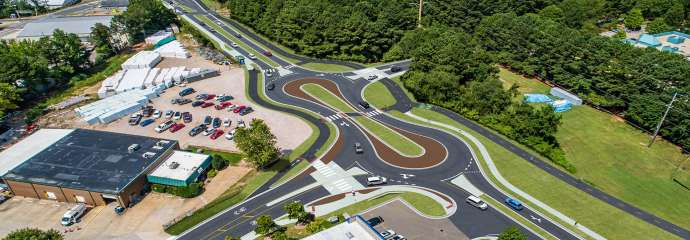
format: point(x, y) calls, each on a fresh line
point(419, 17)
point(658, 126)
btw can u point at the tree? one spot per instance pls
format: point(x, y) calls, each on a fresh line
point(8, 97)
point(257, 143)
point(512, 233)
point(217, 162)
point(552, 12)
point(143, 17)
point(317, 225)
point(577, 12)
point(265, 225)
point(675, 15)
point(101, 39)
point(295, 210)
point(34, 233)
point(658, 25)
point(280, 235)
point(634, 19)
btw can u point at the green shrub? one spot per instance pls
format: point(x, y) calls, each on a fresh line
point(158, 188)
point(212, 173)
point(217, 162)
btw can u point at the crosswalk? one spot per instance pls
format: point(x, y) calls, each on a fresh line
point(323, 169)
point(372, 113)
point(334, 117)
point(334, 178)
point(342, 185)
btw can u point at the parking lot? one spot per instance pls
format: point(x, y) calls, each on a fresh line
point(404, 221)
point(230, 82)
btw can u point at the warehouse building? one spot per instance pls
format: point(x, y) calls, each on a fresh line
point(81, 26)
point(83, 166)
point(180, 169)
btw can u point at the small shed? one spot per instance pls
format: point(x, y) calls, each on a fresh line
point(572, 98)
point(180, 169)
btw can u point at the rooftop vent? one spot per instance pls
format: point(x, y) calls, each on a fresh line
point(174, 165)
point(133, 148)
point(148, 154)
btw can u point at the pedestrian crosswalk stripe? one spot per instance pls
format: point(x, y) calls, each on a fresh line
point(334, 117)
point(372, 113)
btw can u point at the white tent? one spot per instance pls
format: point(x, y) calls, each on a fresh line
point(156, 37)
point(173, 49)
point(143, 59)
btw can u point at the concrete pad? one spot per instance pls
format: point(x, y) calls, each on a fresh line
point(400, 218)
point(462, 182)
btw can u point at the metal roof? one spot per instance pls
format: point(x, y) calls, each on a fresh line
point(76, 25)
point(180, 165)
point(90, 160)
point(30, 146)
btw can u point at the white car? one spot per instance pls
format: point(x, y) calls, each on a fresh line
point(163, 126)
point(252, 56)
point(231, 107)
point(169, 114)
point(177, 116)
point(240, 124)
point(230, 135)
point(475, 201)
point(209, 131)
point(376, 180)
point(226, 122)
point(388, 234)
point(157, 114)
point(233, 44)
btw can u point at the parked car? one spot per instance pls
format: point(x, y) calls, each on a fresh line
point(223, 105)
point(163, 126)
point(216, 123)
point(196, 130)
point(224, 98)
point(230, 135)
point(156, 114)
point(134, 119)
point(207, 120)
point(364, 104)
point(376, 180)
point(514, 204)
point(197, 103)
point(398, 237)
point(238, 109)
point(240, 124)
point(147, 111)
point(186, 117)
point(217, 134)
point(3, 198)
point(210, 96)
point(184, 101)
point(174, 100)
point(169, 114)
point(268, 53)
point(73, 214)
point(226, 122)
point(177, 116)
point(207, 104)
point(209, 131)
point(478, 203)
point(176, 127)
point(270, 87)
point(246, 111)
point(146, 122)
point(186, 92)
point(375, 221)
point(231, 107)
point(395, 68)
point(201, 96)
point(252, 56)
point(358, 148)
point(387, 234)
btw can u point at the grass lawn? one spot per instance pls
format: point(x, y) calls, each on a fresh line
point(418, 201)
point(378, 95)
point(327, 97)
point(244, 46)
point(398, 142)
point(613, 156)
point(325, 67)
point(601, 217)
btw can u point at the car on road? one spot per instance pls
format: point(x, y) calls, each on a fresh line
point(375, 221)
point(269, 72)
point(163, 126)
point(233, 44)
point(372, 77)
point(268, 53)
point(196, 130)
point(230, 135)
point(514, 204)
point(376, 180)
point(212, 30)
point(478, 203)
point(207, 104)
point(395, 68)
point(169, 114)
point(387, 234)
point(156, 114)
point(252, 56)
point(216, 122)
point(186, 117)
point(246, 111)
point(238, 109)
point(216, 134)
point(186, 92)
point(238, 35)
point(358, 148)
point(208, 131)
point(207, 120)
point(240, 124)
point(197, 103)
point(270, 87)
point(223, 105)
point(177, 116)
point(146, 122)
point(176, 127)
point(226, 122)
point(201, 96)
point(135, 119)
point(364, 104)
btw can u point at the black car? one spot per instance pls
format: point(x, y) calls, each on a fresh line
point(197, 103)
point(246, 111)
point(147, 111)
point(184, 101)
point(186, 117)
point(375, 221)
point(364, 105)
point(135, 119)
point(216, 122)
point(270, 87)
point(395, 68)
point(238, 35)
point(207, 120)
point(196, 130)
point(175, 100)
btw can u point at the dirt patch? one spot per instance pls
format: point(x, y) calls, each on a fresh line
point(328, 199)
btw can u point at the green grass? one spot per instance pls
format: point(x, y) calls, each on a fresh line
point(421, 203)
point(378, 95)
point(232, 157)
point(510, 212)
point(424, 204)
point(398, 81)
point(599, 216)
point(612, 156)
point(325, 67)
point(398, 142)
point(244, 46)
point(509, 78)
point(327, 97)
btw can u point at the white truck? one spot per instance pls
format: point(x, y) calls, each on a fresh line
point(73, 214)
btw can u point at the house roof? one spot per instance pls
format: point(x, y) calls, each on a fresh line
point(76, 25)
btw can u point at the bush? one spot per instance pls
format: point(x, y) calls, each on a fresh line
point(211, 173)
point(317, 225)
point(218, 163)
point(193, 190)
point(34, 233)
point(158, 188)
point(35, 112)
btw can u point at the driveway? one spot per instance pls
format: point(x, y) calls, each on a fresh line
point(398, 217)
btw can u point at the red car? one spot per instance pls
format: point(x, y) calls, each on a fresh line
point(268, 53)
point(177, 126)
point(223, 105)
point(239, 108)
point(207, 104)
point(210, 96)
point(216, 134)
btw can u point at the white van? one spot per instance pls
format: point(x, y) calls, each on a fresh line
point(73, 214)
point(376, 180)
point(475, 201)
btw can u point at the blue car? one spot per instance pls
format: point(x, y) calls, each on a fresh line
point(146, 122)
point(514, 203)
point(186, 92)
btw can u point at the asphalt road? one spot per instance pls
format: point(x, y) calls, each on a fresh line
point(473, 222)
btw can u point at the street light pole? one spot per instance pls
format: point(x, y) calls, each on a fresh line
point(419, 17)
point(658, 126)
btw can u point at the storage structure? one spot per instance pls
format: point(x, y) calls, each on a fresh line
point(173, 49)
point(157, 37)
point(133, 79)
point(572, 98)
point(143, 59)
point(112, 108)
point(54, 164)
point(180, 169)
point(110, 84)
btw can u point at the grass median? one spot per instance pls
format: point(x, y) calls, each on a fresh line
point(327, 97)
point(378, 95)
point(326, 67)
point(231, 37)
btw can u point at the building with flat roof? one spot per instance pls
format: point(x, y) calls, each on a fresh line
point(82, 166)
point(354, 228)
point(81, 26)
point(180, 169)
